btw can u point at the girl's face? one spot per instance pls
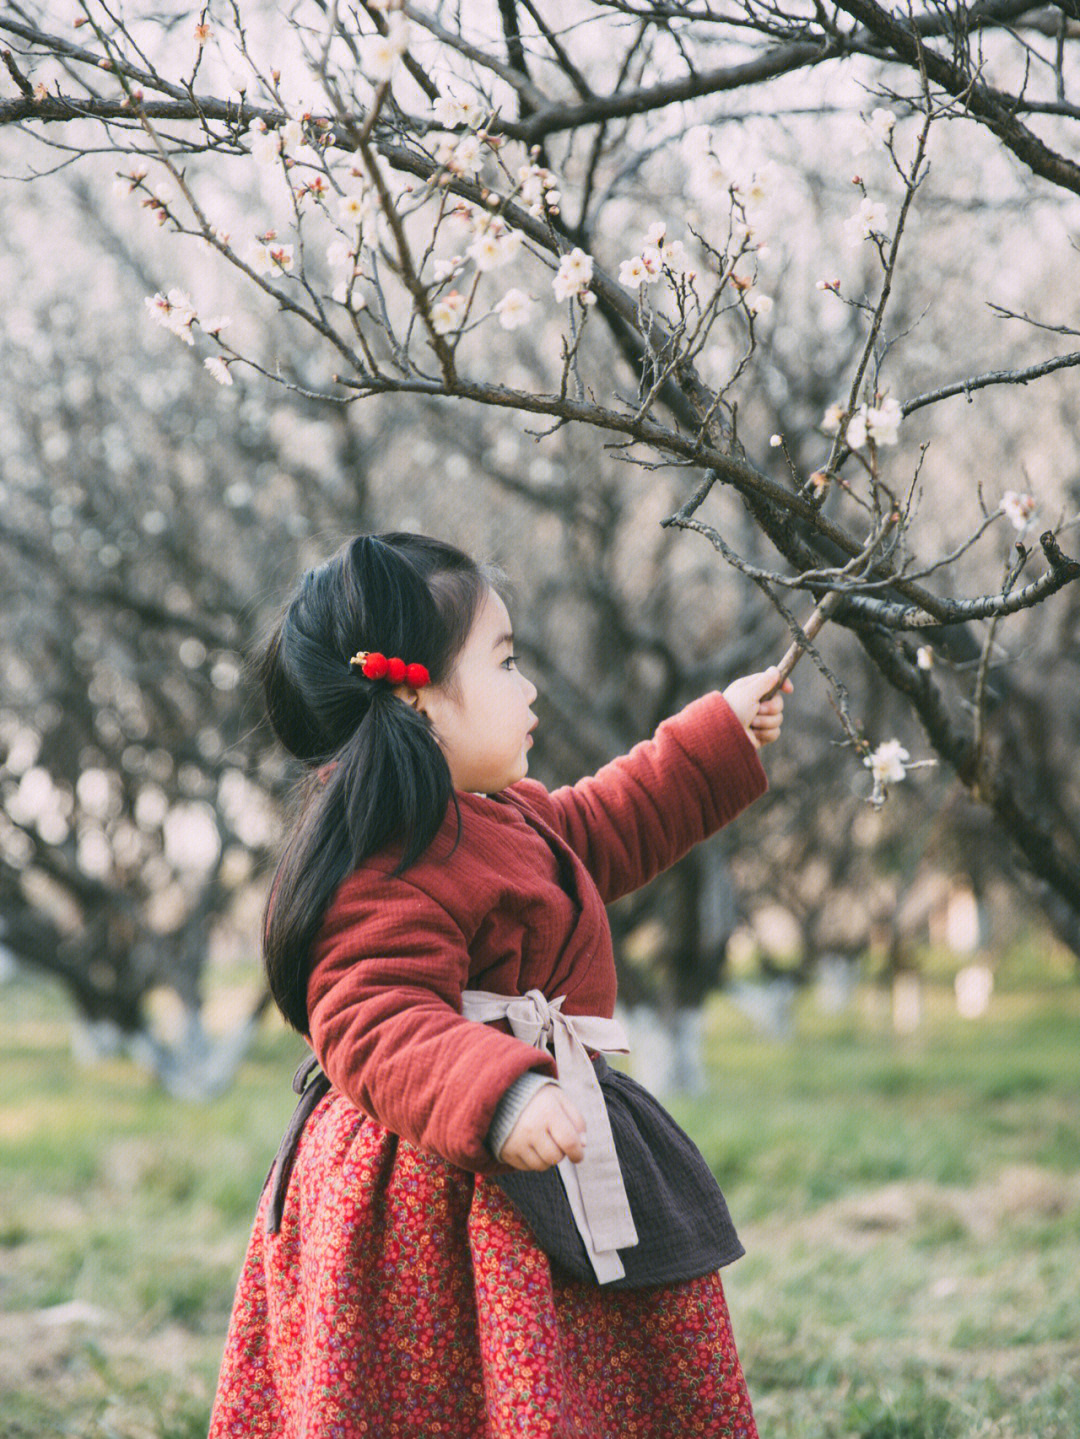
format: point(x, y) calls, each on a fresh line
point(483, 722)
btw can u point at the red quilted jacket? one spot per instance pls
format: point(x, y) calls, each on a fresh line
point(517, 905)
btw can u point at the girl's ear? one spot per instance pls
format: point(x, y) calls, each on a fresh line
point(410, 696)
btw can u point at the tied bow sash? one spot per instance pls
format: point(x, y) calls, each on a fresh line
point(594, 1188)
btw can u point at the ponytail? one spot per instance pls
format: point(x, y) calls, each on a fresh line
point(384, 778)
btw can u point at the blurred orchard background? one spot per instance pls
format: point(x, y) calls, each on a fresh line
point(693, 316)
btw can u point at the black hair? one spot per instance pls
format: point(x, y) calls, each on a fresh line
point(388, 781)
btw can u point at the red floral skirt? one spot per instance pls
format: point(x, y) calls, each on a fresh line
point(406, 1297)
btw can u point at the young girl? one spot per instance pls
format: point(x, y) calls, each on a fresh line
point(476, 1228)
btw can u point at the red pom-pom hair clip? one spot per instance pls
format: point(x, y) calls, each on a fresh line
point(374, 666)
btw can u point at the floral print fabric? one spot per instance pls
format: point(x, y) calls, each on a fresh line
point(404, 1296)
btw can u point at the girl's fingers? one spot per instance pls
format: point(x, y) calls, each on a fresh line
point(567, 1137)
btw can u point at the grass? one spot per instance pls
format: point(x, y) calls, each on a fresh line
point(910, 1208)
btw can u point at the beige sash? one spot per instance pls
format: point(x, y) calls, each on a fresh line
point(594, 1187)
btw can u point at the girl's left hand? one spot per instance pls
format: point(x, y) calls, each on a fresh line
point(762, 718)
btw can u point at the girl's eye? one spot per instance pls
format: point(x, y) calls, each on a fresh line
point(510, 660)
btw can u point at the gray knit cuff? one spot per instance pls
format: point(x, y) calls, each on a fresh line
point(508, 1110)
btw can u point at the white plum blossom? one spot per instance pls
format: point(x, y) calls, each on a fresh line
point(219, 369)
point(292, 136)
point(451, 113)
point(443, 269)
point(174, 311)
point(446, 314)
point(924, 657)
point(447, 112)
point(345, 293)
point(510, 243)
point(759, 304)
point(871, 218)
point(856, 430)
point(882, 123)
point(266, 147)
point(633, 273)
point(887, 762)
point(470, 110)
point(832, 418)
point(653, 261)
point(461, 157)
point(268, 256)
point(340, 255)
point(676, 258)
point(763, 184)
point(880, 423)
point(514, 309)
point(573, 275)
point(1019, 508)
point(707, 180)
point(382, 52)
point(883, 421)
point(490, 249)
point(654, 235)
point(256, 256)
point(484, 251)
point(537, 187)
point(216, 324)
point(776, 441)
point(359, 207)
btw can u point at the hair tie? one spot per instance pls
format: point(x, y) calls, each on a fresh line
point(374, 666)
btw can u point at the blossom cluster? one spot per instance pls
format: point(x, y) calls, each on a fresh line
point(538, 190)
point(574, 276)
point(269, 146)
point(870, 220)
point(879, 423)
point(656, 255)
point(1019, 508)
point(176, 313)
point(382, 52)
point(888, 763)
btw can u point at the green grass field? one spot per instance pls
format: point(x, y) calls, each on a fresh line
point(910, 1208)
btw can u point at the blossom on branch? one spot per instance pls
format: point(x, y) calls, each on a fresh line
point(443, 269)
point(219, 369)
point(461, 157)
point(881, 124)
point(759, 304)
point(870, 219)
point(382, 52)
point(266, 148)
point(174, 311)
point(489, 249)
point(514, 309)
point(888, 762)
point(451, 113)
point(446, 314)
point(537, 187)
point(833, 418)
point(883, 421)
point(573, 275)
point(633, 273)
point(880, 423)
point(1019, 508)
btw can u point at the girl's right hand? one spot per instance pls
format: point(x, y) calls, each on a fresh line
point(548, 1128)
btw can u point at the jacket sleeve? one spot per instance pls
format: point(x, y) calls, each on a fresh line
point(638, 815)
point(384, 1006)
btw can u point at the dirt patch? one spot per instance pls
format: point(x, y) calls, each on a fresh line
point(1019, 1194)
